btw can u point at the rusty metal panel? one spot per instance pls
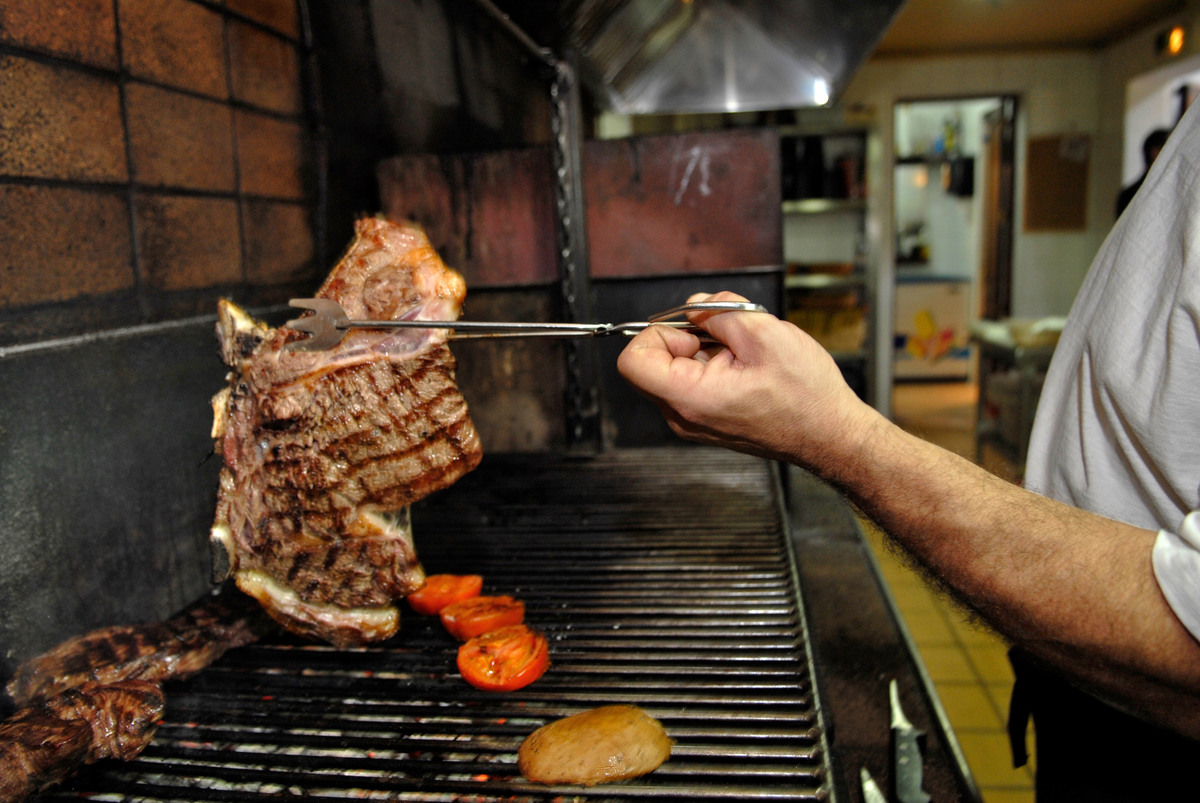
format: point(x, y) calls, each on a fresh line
point(514, 387)
point(683, 203)
point(490, 215)
point(424, 188)
point(512, 216)
point(656, 206)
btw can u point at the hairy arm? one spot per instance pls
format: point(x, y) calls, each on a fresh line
point(1074, 589)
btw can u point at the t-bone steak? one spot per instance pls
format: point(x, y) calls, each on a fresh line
point(325, 450)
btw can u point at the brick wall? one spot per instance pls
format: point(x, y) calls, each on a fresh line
point(154, 155)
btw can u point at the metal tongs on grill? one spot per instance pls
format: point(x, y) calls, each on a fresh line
point(329, 323)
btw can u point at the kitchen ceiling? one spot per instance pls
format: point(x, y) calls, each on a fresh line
point(945, 27)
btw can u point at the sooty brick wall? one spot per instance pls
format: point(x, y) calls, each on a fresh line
point(154, 155)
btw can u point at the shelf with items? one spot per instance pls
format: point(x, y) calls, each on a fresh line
point(824, 281)
point(823, 165)
point(835, 317)
point(827, 284)
point(956, 173)
point(823, 206)
point(930, 213)
point(932, 160)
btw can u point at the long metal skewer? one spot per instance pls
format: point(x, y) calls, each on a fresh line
point(329, 324)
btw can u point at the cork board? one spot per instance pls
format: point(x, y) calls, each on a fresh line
point(1056, 179)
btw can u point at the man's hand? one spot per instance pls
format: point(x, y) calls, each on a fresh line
point(767, 388)
point(1076, 590)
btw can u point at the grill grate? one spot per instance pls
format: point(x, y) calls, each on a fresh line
point(662, 578)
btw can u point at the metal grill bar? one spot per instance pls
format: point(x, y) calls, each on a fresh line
point(662, 578)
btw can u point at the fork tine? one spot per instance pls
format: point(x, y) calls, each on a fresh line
point(322, 325)
point(310, 325)
point(326, 308)
point(321, 340)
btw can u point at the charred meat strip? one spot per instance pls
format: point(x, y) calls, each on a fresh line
point(44, 742)
point(173, 648)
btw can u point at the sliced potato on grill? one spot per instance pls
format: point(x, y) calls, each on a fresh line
point(610, 743)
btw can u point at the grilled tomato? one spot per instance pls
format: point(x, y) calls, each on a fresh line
point(505, 659)
point(442, 589)
point(471, 617)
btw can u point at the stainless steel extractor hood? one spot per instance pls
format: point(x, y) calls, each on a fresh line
point(700, 56)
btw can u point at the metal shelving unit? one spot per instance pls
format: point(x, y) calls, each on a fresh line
point(828, 283)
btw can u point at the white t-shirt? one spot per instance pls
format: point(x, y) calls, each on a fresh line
point(1117, 430)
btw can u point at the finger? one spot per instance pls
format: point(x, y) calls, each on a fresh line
point(742, 332)
point(659, 357)
point(674, 340)
point(703, 315)
point(709, 350)
point(693, 431)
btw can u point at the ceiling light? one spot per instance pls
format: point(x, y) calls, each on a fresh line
point(1175, 40)
point(820, 91)
point(1170, 43)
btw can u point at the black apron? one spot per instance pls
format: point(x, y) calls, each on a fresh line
point(1089, 751)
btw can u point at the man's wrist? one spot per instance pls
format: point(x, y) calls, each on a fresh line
point(852, 447)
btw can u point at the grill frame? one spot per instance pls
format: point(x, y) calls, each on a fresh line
point(662, 577)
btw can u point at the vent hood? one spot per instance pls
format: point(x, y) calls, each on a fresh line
point(703, 56)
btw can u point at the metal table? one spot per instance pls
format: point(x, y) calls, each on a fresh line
point(1000, 351)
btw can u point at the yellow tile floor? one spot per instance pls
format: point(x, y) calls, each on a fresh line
point(966, 663)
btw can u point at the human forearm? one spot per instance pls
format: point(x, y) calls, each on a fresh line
point(1076, 590)
point(1073, 588)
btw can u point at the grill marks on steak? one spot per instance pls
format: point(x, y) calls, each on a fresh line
point(370, 432)
point(324, 451)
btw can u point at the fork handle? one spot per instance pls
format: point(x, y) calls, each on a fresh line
point(511, 329)
point(519, 328)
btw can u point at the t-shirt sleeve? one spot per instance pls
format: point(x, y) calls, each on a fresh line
point(1176, 560)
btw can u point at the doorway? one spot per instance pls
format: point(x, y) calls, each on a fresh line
point(953, 185)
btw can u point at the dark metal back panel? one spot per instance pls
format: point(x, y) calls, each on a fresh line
point(662, 578)
point(107, 481)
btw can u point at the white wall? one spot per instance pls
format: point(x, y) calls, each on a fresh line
point(1058, 93)
point(1151, 102)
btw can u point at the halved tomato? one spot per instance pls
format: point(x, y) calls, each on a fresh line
point(505, 659)
point(470, 617)
point(442, 589)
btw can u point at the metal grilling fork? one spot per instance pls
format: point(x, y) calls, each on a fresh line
point(329, 324)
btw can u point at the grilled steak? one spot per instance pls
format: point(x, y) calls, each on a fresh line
point(324, 451)
point(46, 741)
point(175, 648)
